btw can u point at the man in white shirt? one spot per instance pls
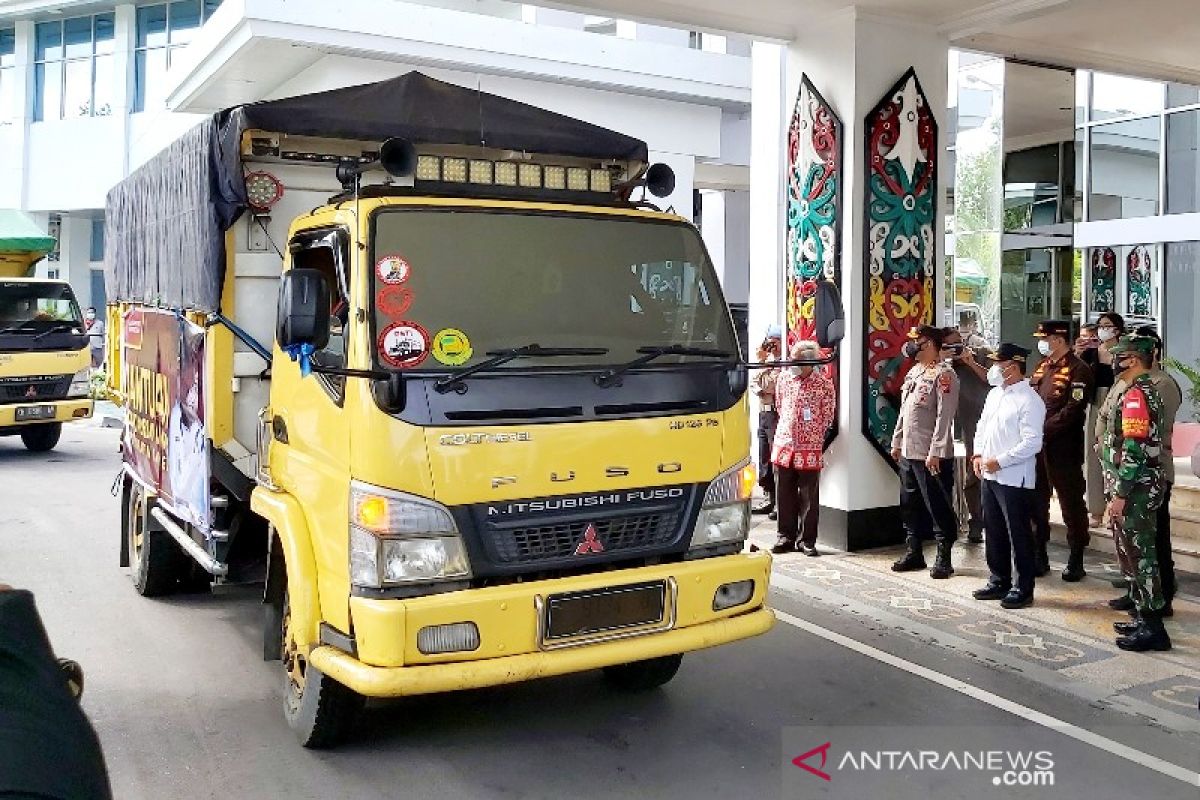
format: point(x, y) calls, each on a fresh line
point(1007, 441)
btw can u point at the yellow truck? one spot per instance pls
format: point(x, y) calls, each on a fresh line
point(44, 352)
point(414, 355)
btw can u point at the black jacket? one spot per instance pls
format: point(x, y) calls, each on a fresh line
point(47, 746)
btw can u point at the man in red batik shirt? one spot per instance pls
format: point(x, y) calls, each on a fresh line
point(805, 401)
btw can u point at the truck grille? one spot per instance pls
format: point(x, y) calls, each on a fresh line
point(30, 390)
point(616, 534)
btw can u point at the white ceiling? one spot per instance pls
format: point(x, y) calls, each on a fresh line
point(1149, 38)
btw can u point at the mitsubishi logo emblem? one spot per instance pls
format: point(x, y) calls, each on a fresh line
point(590, 543)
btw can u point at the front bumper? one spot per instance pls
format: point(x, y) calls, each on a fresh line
point(64, 411)
point(388, 663)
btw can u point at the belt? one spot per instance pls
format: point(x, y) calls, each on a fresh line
point(768, 407)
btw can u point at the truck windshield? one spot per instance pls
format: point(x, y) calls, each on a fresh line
point(34, 306)
point(451, 286)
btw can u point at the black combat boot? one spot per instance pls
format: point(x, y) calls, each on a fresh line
point(913, 559)
point(1041, 562)
point(1122, 603)
point(1074, 571)
point(941, 564)
point(1150, 635)
point(767, 506)
point(975, 532)
point(1128, 628)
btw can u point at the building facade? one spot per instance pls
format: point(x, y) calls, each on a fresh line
point(89, 91)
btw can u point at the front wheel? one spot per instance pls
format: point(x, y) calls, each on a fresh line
point(319, 709)
point(641, 676)
point(41, 438)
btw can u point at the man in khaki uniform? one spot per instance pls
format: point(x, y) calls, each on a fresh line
point(763, 387)
point(923, 446)
point(1172, 397)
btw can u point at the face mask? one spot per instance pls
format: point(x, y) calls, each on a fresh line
point(910, 349)
point(1106, 333)
point(995, 375)
point(1044, 347)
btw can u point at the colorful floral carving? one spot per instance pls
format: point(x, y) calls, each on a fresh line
point(1138, 266)
point(814, 199)
point(1104, 279)
point(901, 208)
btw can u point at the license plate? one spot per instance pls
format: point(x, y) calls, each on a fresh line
point(34, 412)
point(604, 610)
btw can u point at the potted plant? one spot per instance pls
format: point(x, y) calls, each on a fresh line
point(1185, 438)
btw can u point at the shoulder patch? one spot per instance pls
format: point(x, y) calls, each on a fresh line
point(1077, 394)
point(1135, 415)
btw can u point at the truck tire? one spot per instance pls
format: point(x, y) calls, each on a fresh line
point(155, 562)
point(641, 676)
point(42, 438)
point(320, 710)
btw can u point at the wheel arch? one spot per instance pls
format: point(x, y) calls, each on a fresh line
point(290, 557)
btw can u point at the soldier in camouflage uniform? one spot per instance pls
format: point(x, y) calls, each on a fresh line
point(1131, 457)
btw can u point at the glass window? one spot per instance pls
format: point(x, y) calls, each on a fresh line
point(1181, 94)
point(160, 30)
point(152, 26)
point(1083, 84)
point(97, 248)
point(1118, 96)
point(1124, 163)
point(8, 60)
point(1181, 334)
point(77, 89)
point(69, 80)
point(47, 40)
point(1183, 163)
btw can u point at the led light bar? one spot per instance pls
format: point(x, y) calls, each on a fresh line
point(517, 174)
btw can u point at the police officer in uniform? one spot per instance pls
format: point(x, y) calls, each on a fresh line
point(923, 446)
point(1065, 385)
point(1131, 456)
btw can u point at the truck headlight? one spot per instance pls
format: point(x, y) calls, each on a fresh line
point(398, 538)
point(725, 514)
point(80, 384)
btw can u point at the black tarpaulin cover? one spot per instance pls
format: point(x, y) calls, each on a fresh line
point(165, 223)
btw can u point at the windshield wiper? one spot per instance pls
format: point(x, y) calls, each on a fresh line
point(499, 357)
point(18, 327)
point(53, 329)
point(608, 378)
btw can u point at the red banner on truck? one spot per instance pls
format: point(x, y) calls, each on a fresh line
point(164, 441)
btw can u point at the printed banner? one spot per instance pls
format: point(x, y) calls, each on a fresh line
point(164, 439)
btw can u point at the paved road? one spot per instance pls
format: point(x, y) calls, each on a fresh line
point(186, 708)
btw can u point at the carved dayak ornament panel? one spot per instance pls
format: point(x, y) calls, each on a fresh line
point(814, 212)
point(899, 252)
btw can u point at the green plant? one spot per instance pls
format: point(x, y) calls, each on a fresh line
point(1193, 377)
point(97, 389)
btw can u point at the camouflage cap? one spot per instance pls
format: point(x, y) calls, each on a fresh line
point(1133, 343)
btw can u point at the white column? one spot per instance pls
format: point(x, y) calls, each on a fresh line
point(24, 110)
point(125, 33)
point(767, 165)
point(853, 58)
point(736, 280)
point(712, 228)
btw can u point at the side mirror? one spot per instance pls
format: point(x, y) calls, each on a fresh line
point(391, 395)
point(302, 317)
point(828, 315)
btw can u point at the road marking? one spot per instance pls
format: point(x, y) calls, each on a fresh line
point(1065, 728)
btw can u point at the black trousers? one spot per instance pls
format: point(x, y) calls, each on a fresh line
point(927, 500)
point(799, 498)
point(1009, 537)
point(971, 484)
point(767, 421)
point(1060, 469)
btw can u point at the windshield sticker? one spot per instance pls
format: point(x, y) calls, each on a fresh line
point(404, 344)
point(393, 269)
point(394, 301)
point(452, 347)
